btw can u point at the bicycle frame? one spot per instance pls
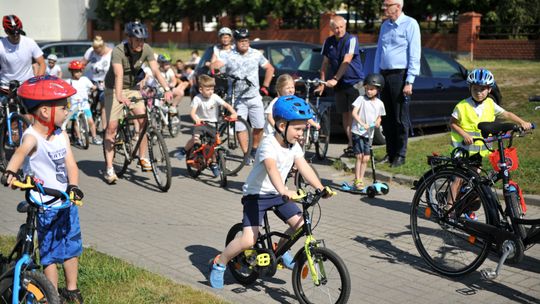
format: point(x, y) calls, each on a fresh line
point(208, 150)
point(142, 132)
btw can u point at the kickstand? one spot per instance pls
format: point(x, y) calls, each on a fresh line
point(507, 248)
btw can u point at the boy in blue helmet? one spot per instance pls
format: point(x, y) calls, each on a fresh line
point(265, 185)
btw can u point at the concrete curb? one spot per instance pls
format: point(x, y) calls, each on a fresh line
point(401, 179)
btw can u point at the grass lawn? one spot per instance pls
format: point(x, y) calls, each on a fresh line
point(104, 279)
point(177, 53)
point(517, 79)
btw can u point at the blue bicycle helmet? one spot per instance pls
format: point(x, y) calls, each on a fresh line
point(291, 108)
point(481, 77)
point(136, 29)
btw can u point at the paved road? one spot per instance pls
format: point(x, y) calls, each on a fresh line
point(176, 233)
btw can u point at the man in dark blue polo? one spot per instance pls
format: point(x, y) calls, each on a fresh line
point(342, 52)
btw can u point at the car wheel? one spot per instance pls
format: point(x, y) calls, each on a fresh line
point(378, 137)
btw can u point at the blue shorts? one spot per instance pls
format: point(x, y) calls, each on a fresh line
point(59, 235)
point(360, 144)
point(87, 113)
point(256, 205)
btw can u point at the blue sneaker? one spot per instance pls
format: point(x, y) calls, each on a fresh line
point(181, 154)
point(287, 260)
point(216, 275)
point(215, 170)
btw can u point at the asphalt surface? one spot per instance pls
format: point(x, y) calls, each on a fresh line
point(175, 234)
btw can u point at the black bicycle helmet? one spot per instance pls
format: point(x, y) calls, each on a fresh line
point(136, 29)
point(375, 80)
point(241, 34)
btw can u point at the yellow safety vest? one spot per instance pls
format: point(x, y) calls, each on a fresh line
point(468, 121)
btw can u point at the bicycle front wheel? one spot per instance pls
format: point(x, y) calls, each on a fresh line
point(84, 131)
point(222, 161)
point(241, 268)
point(322, 142)
point(37, 289)
point(18, 124)
point(334, 282)
point(122, 153)
point(299, 181)
point(237, 153)
point(438, 235)
point(159, 158)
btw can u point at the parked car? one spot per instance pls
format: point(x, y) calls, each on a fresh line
point(439, 87)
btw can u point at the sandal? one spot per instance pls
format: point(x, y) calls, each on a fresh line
point(358, 184)
point(348, 152)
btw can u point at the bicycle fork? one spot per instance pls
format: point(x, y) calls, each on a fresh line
point(24, 260)
point(308, 244)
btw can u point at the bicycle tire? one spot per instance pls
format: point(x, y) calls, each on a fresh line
point(236, 158)
point(159, 158)
point(321, 145)
point(222, 161)
point(299, 181)
point(334, 272)
point(174, 128)
point(195, 162)
point(84, 131)
point(37, 289)
point(442, 242)
point(122, 153)
point(6, 150)
point(517, 211)
point(239, 267)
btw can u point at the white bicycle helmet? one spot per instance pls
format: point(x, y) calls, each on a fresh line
point(224, 31)
point(52, 57)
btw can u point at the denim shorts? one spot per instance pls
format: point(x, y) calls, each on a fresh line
point(256, 205)
point(360, 144)
point(59, 235)
point(87, 113)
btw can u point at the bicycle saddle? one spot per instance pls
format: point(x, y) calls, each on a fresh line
point(495, 128)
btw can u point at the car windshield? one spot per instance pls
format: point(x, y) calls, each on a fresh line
point(311, 61)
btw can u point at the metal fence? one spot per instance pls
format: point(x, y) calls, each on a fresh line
point(513, 31)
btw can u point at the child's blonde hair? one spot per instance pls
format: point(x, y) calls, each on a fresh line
point(206, 81)
point(282, 81)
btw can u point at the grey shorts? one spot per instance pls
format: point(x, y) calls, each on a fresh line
point(345, 97)
point(251, 109)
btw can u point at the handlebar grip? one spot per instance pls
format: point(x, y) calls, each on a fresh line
point(300, 194)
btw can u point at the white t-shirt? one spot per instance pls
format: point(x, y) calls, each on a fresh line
point(479, 108)
point(16, 59)
point(207, 108)
point(54, 71)
point(368, 111)
point(258, 181)
point(268, 129)
point(168, 75)
point(83, 86)
point(98, 65)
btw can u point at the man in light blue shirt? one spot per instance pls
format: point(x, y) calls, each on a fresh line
point(398, 60)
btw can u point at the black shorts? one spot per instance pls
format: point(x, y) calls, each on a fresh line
point(255, 206)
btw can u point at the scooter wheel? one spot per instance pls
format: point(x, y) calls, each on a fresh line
point(385, 188)
point(371, 192)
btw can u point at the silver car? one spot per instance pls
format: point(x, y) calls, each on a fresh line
point(66, 51)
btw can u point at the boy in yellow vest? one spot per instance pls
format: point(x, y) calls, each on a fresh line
point(473, 110)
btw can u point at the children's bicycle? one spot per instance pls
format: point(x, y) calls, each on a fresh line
point(456, 216)
point(20, 279)
point(319, 274)
point(202, 154)
point(80, 129)
point(127, 143)
point(160, 117)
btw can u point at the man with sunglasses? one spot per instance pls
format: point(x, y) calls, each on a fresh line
point(17, 52)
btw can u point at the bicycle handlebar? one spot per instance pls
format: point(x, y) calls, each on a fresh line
point(310, 198)
point(315, 81)
point(234, 78)
point(32, 183)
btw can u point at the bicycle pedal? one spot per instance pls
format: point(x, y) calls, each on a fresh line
point(263, 259)
point(488, 274)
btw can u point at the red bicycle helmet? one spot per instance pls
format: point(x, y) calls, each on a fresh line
point(42, 89)
point(12, 24)
point(76, 65)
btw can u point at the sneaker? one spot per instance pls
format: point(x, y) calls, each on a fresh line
point(173, 110)
point(70, 296)
point(145, 165)
point(215, 169)
point(110, 176)
point(287, 260)
point(79, 142)
point(216, 273)
point(97, 140)
point(181, 154)
point(249, 161)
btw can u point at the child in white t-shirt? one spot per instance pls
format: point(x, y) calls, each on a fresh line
point(205, 113)
point(52, 68)
point(84, 86)
point(366, 113)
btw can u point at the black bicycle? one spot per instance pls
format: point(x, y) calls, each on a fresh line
point(319, 274)
point(127, 143)
point(456, 216)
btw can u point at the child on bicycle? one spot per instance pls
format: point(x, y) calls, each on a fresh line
point(205, 113)
point(284, 87)
point(52, 68)
point(265, 188)
point(176, 86)
point(46, 153)
point(80, 100)
point(366, 113)
point(469, 112)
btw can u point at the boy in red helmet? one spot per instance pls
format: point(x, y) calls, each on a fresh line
point(45, 152)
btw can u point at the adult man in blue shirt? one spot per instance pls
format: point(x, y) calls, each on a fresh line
point(342, 52)
point(398, 60)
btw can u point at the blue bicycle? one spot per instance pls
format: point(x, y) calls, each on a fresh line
point(20, 278)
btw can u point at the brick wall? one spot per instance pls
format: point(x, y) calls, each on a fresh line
point(507, 49)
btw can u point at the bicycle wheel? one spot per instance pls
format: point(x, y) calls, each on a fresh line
point(299, 181)
point(438, 236)
point(174, 127)
point(241, 269)
point(195, 162)
point(517, 211)
point(122, 152)
point(19, 123)
point(321, 144)
point(222, 161)
point(159, 158)
point(84, 131)
point(37, 289)
point(334, 280)
point(236, 158)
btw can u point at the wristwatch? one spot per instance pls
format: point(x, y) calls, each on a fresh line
point(167, 90)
